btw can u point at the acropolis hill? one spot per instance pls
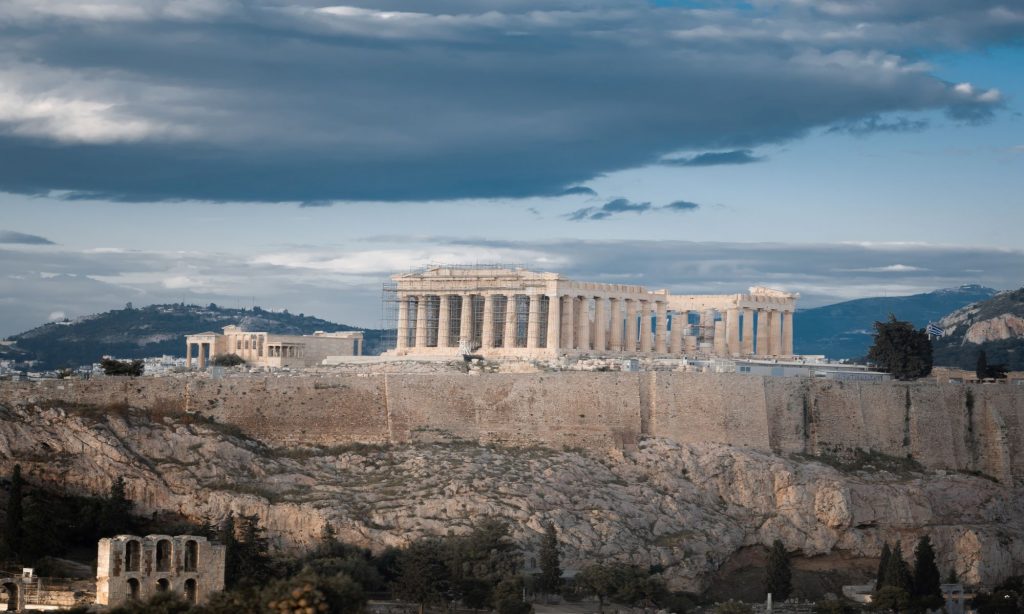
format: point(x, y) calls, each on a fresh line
point(682, 470)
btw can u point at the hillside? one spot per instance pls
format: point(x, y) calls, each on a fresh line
point(995, 325)
point(689, 509)
point(153, 331)
point(843, 330)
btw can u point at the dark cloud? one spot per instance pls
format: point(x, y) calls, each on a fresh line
point(682, 205)
point(622, 205)
point(873, 124)
point(237, 100)
point(9, 236)
point(619, 205)
point(738, 156)
point(575, 190)
point(316, 203)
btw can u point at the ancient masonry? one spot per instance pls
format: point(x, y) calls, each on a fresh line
point(270, 350)
point(944, 426)
point(511, 312)
point(135, 568)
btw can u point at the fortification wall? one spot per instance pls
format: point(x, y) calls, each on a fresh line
point(976, 427)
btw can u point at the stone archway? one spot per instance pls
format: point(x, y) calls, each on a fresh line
point(13, 597)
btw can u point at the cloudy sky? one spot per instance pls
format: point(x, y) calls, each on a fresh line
point(292, 154)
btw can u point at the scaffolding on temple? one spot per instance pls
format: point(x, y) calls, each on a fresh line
point(433, 310)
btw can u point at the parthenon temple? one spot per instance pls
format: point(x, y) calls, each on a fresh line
point(512, 312)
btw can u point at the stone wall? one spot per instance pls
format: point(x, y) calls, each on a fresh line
point(961, 427)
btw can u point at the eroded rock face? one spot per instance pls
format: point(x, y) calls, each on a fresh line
point(1005, 326)
point(685, 507)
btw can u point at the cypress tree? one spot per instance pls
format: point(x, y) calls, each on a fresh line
point(116, 512)
point(926, 573)
point(896, 572)
point(981, 368)
point(13, 530)
point(883, 565)
point(778, 578)
point(550, 579)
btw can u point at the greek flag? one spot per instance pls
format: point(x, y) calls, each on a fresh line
point(935, 330)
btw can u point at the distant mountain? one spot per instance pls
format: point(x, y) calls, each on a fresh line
point(154, 331)
point(844, 330)
point(995, 325)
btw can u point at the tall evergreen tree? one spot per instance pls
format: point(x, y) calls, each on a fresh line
point(883, 566)
point(116, 512)
point(901, 349)
point(253, 551)
point(897, 573)
point(229, 537)
point(13, 530)
point(981, 367)
point(778, 578)
point(422, 576)
point(550, 579)
point(926, 573)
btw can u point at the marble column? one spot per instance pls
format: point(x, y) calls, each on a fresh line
point(615, 338)
point(533, 322)
point(466, 322)
point(732, 330)
point(443, 320)
point(631, 325)
point(568, 323)
point(600, 324)
point(661, 328)
point(583, 324)
point(508, 339)
point(775, 332)
point(676, 334)
point(421, 321)
point(487, 326)
point(188, 355)
point(721, 345)
point(554, 322)
point(762, 332)
point(402, 341)
point(747, 343)
point(202, 355)
point(787, 333)
point(646, 309)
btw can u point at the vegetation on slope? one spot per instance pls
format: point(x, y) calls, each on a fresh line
point(157, 330)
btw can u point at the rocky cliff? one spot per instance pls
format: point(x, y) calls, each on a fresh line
point(995, 325)
point(687, 507)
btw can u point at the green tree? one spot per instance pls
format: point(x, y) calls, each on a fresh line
point(892, 598)
point(926, 573)
point(550, 579)
point(897, 573)
point(40, 537)
point(981, 368)
point(116, 510)
point(778, 578)
point(901, 350)
point(161, 603)
point(13, 529)
point(422, 575)
point(832, 606)
point(598, 580)
point(132, 368)
point(883, 566)
point(253, 550)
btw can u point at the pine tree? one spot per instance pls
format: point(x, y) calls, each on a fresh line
point(253, 551)
point(926, 573)
point(981, 368)
point(13, 530)
point(896, 572)
point(778, 578)
point(901, 349)
point(883, 566)
point(550, 579)
point(229, 538)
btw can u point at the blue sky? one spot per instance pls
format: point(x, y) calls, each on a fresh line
point(295, 153)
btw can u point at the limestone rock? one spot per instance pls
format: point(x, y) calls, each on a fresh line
point(686, 507)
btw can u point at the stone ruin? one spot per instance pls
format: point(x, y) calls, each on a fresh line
point(136, 568)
